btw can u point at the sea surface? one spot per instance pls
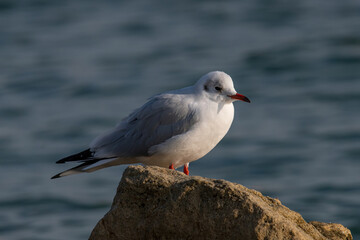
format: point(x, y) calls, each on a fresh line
point(71, 70)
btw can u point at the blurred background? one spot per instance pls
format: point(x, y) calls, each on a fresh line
point(70, 70)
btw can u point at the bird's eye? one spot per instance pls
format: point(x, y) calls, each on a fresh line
point(218, 89)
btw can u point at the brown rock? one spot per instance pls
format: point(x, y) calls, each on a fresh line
point(333, 231)
point(158, 203)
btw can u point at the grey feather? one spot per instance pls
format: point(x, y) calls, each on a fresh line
point(161, 118)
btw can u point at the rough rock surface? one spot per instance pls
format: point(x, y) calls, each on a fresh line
point(158, 203)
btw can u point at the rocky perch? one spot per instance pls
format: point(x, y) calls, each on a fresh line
point(157, 203)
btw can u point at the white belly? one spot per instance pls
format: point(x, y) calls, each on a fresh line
point(195, 143)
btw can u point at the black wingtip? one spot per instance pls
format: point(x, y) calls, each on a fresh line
point(56, 176)
point(77, 157)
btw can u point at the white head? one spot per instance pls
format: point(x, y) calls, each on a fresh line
point(219, 87)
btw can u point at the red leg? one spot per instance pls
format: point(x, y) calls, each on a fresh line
point(172, 167)
point(186, 169)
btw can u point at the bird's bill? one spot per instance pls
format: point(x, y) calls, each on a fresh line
point(241, 97)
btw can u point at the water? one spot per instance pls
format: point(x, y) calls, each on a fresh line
point(65, 67)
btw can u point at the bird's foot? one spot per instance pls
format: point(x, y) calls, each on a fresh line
point(172, 167)
point(186, 169)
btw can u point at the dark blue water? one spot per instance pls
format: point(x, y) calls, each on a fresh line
point(70, 70)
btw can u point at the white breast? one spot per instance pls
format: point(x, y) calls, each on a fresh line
point(214, 123)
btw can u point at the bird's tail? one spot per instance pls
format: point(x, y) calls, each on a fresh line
point(78, 169)
point(90, 163)
point(90, 166)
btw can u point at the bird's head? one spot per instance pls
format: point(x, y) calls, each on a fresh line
point(218, 86)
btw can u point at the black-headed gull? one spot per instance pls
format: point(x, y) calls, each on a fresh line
point(170, 130)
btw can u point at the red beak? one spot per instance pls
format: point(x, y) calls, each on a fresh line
point(240, 97)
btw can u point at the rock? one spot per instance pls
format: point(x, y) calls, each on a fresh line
point(333, 231)
point(158, 203)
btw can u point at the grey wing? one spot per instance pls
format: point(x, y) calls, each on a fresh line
point(161, 118)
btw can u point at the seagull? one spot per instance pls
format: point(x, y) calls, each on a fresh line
point(170, 130)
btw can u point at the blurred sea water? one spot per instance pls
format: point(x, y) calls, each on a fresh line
point(70, 70)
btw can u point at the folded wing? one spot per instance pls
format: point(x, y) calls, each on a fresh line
point(161, 118)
